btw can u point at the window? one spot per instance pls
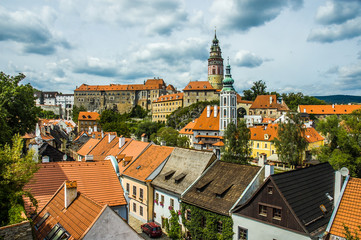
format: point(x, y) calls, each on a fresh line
point(141, 210)
point(188, 215)
point(172, 202)
point(157, 196)
point(141, 193)
point(257, 145)
point(134, 207)
point(270, 190)
point(263, 210)
point(42, 220)
point(219, 227)
point(134, 190)
point(277, 212)
point(128, 188)
point(242, 233)
point(162, 198)
point(57, 233)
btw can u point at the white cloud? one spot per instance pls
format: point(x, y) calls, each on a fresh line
point(248, 59)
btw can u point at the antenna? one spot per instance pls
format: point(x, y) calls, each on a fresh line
point(344, 171)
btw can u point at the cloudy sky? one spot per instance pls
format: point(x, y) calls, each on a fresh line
point(293, 45)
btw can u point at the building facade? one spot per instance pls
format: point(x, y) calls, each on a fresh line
point(199, 91)
point(165, 105)
point(268, 106)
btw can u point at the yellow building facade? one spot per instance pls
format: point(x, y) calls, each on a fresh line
point(165, 105)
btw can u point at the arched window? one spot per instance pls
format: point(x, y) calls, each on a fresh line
point(225, 112)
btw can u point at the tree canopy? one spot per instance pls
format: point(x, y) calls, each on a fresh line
point(343, 148)
point(76, 111)
point(16, 170)
point(258, 88)
point(17, 107)
point(170, 136)
point(237, 147)
point(290, 143)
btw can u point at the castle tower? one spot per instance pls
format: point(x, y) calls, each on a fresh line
point(228, 102)
point(215, 64)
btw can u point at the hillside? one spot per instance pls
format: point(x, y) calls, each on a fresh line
point(340, 99)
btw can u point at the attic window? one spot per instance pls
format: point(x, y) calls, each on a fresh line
point(42, 220)
point(84, 116)
point(169, 174)
point(311, 110)
point(89, 116)
point(204, 86)
point(57, 232)
point(223, 191)
point(179, 178)
point(204, 186)
point(138, 167)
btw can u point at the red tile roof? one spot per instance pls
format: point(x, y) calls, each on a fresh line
point(97, 180)
point(188, 129)
point(260, 133)
point(147, 162)
point(88, 146)
point(170, 87)
point(131, 150)
point(149, 84)
point(91, 116)
point(210, 123)
point(170, 97)
point(311, 135)
point(328, 109)
point(268, 101)
point(100, 151)
point(76, 220)
point(199, 85)
point(349, 210)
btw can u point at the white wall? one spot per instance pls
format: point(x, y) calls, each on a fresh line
point(164, 211)
point(258, 230)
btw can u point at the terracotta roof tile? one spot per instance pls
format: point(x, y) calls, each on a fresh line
point(88, 146)
point(328, 109)
point(188, 129)
point(100, 151)
point(198, 85)
point(311, 135)
point(258, 132)
point(76, 220)
point(147, 162)
point(170, 87)
point(268, 101)
point(208, 123)
point(97, 180)
point(133, 149)
point(149, 84)
point(349, 210)
point(91, 116)
point(170, 97)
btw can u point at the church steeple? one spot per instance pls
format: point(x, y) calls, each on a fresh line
point(215, 64)
point(228, 80)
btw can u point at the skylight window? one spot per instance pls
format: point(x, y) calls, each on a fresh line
point(169, 174)
point(204, 186)
point(138, 167)
point(179, 178)
point(42, 220)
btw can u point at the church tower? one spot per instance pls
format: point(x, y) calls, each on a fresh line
point(215, 64)
point(228, 102)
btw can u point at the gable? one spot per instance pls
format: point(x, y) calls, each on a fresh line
point(271, 201)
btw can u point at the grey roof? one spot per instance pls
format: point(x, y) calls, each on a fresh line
point(221, 186)
point(182, 169)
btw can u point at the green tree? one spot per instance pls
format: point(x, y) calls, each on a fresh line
point(237, 147)
point(76, 111)
point(17, 107)
point(121, 128)
point(16, 170)
point(258, 88)
point(294, 99)
point(138, 112)
point(148, 128)
point(174, 228)
point(170, 136)
point(47, 114)
point(290, 143)
point(343, 147)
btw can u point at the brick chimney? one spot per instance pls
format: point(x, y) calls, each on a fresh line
point(215, 110)
point(70, 192)
point(208, 111)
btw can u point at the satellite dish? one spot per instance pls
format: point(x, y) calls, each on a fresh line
point(344, 171)
point(65, 157)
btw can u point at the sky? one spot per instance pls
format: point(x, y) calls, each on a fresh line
point(307, 46)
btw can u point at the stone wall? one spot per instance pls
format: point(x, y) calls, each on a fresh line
point(19, 231)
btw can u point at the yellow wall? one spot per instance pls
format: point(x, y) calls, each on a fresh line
point(160, 110)
point(259, 147)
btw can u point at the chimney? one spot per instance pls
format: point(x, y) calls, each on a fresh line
point(111, 137)
point(337, 190)
point(333, 105)
point(270, 100)
point(95, 128)
point(304, 110)
point(70, 192)
point(102, 134)
point(208, 111)
point(215, 110)
point(144, 138)
point(262, 160)
point(268, 170)
point(121, 141)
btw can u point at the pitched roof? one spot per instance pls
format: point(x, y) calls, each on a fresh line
point(91, 116)
point(88, 146)
point(147, 162)
point(328, 109)
point(183, 167)
point(76, 220)
point(268, 101)
point(221, 186)
point(96, 179)
point(264, 133)
point(348, 212)
point(311, 135)
point(130, 152)
point(170, 97)
point(100, 151)
point(199, 86)
point(305, 197)
point(188, 129)
point(208, 123)
point(149, 84)
point(170, 87)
